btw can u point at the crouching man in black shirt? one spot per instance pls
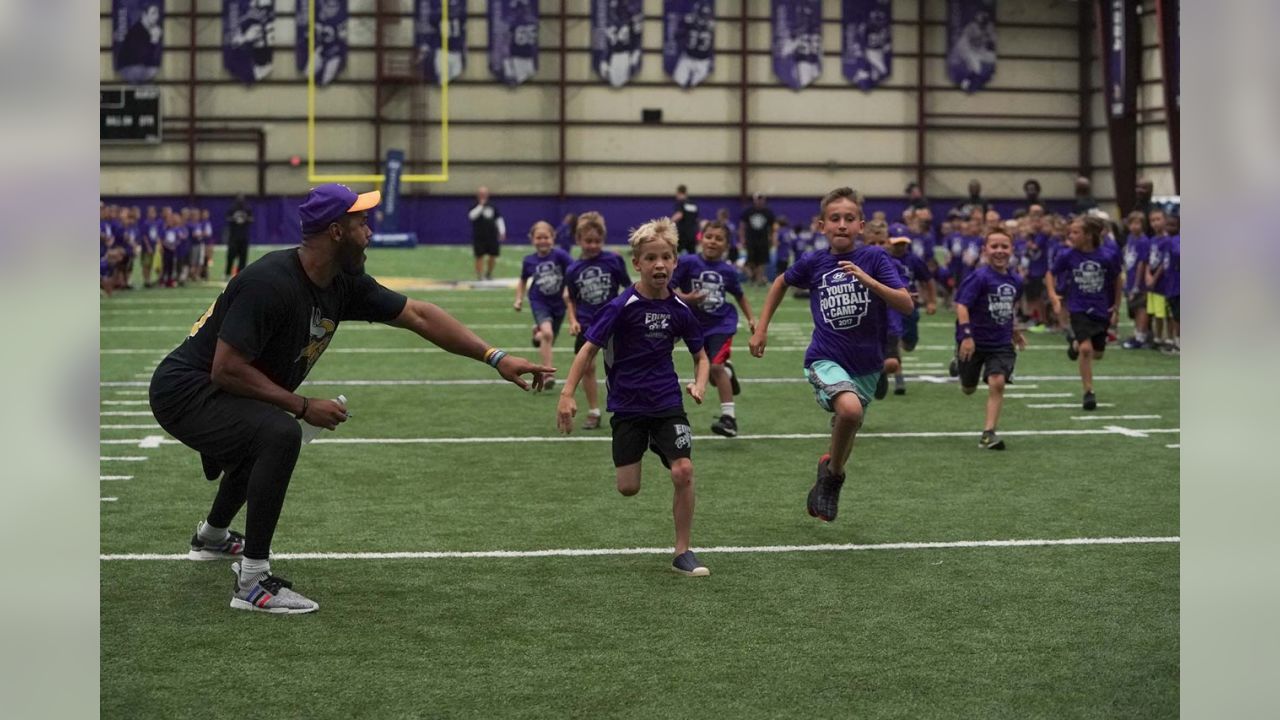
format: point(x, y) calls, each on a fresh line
point(228, 390)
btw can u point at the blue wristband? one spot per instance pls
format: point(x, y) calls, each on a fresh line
point(496, 357)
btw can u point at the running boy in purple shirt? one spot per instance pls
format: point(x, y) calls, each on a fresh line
point(1090, 275)
point(546, 267)
point(592, 282)
point(852, 292)
point(705, 282)
point(638, 329)
point(924, 291)
point(985, 333)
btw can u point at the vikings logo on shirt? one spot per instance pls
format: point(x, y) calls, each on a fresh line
point(548, 276)
point(658, 324)
point(594, 284)
point(843, 300)
point(1089, 277)
point(322, 330)
point(1000, 304)
point(711, 283)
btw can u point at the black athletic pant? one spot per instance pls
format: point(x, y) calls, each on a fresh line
point(237, 249)
point(255, 443)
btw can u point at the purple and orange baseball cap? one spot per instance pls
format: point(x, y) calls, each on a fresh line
point(325, 204)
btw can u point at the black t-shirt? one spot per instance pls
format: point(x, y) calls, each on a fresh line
point(273, 313)
point(758, 223)
point(239, 217)
point(687, 225)
point(484, 223)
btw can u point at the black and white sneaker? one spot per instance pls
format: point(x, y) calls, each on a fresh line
point(954, 368)
point(232, 548)
point(882, 386)
point(726, 426)
point(1090, 401)
point(733, 377)
point(900, 390)
point(270, 594)
point(687, 564)
point(824, 497)
point(990, 441)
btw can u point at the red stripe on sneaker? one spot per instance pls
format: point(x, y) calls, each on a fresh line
point(262, 601)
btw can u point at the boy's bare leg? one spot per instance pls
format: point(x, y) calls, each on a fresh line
point(682, 501)
point(629, 479)
point(995, 400)
point(848, 420)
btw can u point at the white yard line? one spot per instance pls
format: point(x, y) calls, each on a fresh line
point(149, 427)
point(723, 549)
point(156, 440)
point(1059, 406)
point(115, 477)
point(1022, 396)
point(1174, 446)
point(1114, 417)
point(108, 499)
point(122, 458)
point(126, 413)
point(126, 402)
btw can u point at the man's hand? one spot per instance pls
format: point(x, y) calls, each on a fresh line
point(327, 414)
point(512, 367)
point(517, 304)
point(757, 342)
point(696, 392)
point(565, 410)
point(966, 349)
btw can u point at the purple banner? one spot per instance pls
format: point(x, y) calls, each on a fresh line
point(689, 40)
point(617, 27)
point(427, 38)
point(1117, 33)
point(331, 38)
point(1168, 22)
point(866, 31)
point(513, 40)
point(971, 43)
point(137, 39)
point(797, 42)
point(248, 32)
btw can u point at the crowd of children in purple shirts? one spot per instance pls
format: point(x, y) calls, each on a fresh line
point(169, 247)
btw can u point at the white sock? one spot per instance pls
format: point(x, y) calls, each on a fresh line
point(210, 534)
point(727, 409)
point(250, 568)
point(594, 412)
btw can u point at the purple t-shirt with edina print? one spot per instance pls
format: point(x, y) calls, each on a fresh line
point(719, 280)
point(1089, 279)
point(1135, 251)
point(849, 321)
point(991, 297)
point(547, 274)
point(592, 282)
point(637, 335)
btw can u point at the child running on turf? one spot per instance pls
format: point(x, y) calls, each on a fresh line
point(592, 281)
point(546, 266)
point(1089, 274)
point(638, 330)
point(924, 291)
point(705, 282)
point(1136, 251)
point(876, 234)
point(985, 334)
point(852, 292)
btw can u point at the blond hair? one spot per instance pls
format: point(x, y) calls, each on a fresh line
point(541, 223)
point(590, 220)
point(879, 227)
point(659, 229)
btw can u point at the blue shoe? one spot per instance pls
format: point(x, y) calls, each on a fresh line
point(686, 563)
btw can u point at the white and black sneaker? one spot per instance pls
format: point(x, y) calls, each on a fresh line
point(726, 426)
point(686, 563)
point(230, 549)
point(270, 594)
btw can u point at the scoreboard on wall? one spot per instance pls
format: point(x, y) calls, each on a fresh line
point(129, 114)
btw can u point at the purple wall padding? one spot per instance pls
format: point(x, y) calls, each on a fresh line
point(442, 220)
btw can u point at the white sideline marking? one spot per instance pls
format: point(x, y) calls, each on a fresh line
point(115, 477)
point(156, 440)
point(1174, 446)
point(126, 402)
point(1052, 406)
point(122, 458)
point(1021, 396)
point(108, 499)
point(725, 549)
point(149, 427)
point(126, 413)
point(935, 379)
point(1115, 417)
point(1125, 431)
point(132, 392)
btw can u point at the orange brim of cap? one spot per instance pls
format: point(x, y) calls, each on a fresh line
point(899, 239)
point(366, 201)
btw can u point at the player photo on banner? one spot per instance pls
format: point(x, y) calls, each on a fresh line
point(427, 39)
point(331, 38)
point(513, 40)
point(797, 42)
point(1116, 49)
point(866, 31)
point(137, 39)
point(688, 40)
point(248, 33)
point(617, 27)
point(971, 43)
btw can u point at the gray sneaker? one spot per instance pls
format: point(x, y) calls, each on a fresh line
point(270, 594)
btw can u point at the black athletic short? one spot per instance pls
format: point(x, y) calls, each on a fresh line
point(1175, 306)
point(892, 345)
point(987, 362)
point(579, 341)
point(758, 252)
point(1087, 327)
point(486, 247)
point(1137, 301)
point(218, 425)
point(666, 433)
point(718, 346)
point(1033, 288)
